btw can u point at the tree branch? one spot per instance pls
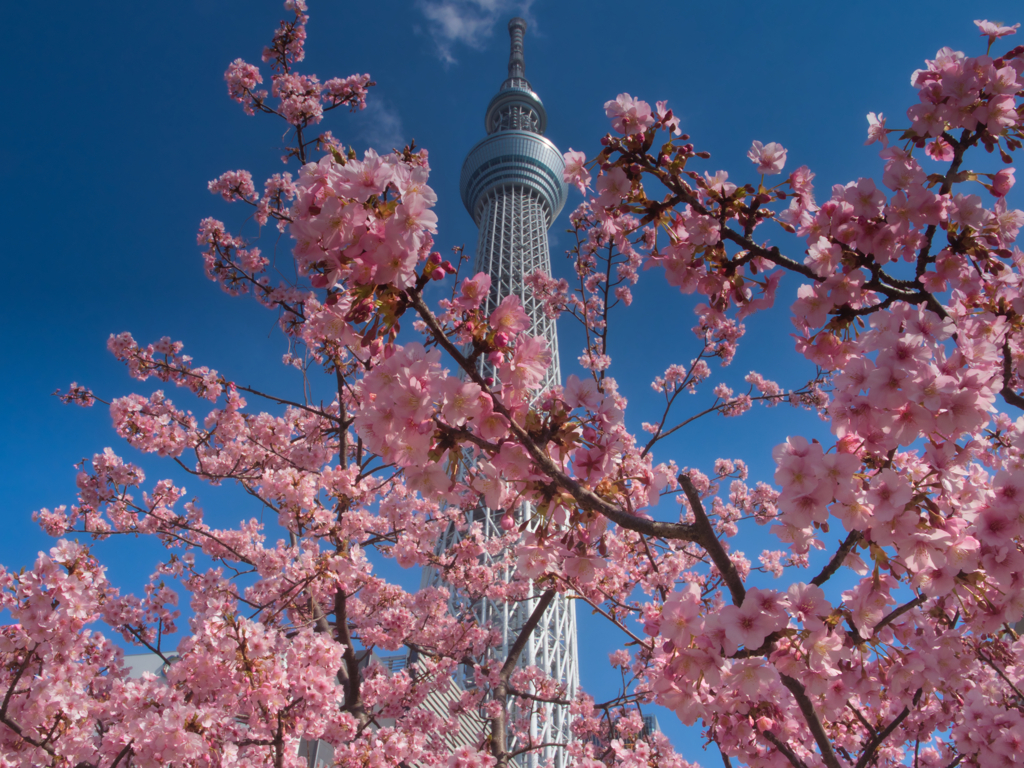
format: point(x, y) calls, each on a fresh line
point(837, 559)
point(878, 739)
point(828, 755)
point(499, 726)
point(1001, 674)
point(1008, 393)
point(707, 538)
point(586, 498)
point(782, 747)
point(899, 612)
point(524, 635)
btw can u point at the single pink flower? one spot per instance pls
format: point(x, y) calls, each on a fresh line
point(876, 129)
point(769, 158)
point(613, 187)
point(575, 172)
point(993, 30)
point(629, 115)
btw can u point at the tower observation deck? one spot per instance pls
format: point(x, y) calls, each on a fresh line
point(512, 186)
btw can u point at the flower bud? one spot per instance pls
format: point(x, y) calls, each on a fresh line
point(437, 274)
point(1002, 182)
point(501, 339)
point(435, 258)
point(507, 522)
point(496, 358)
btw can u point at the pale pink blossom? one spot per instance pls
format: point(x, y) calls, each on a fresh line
point(769, 158)
point(629, 115)
point(993, 30)
point(613, 187)
point(876, 129)
point(575, 172)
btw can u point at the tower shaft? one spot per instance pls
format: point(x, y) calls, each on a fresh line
point(513, 188)
point(513, 243)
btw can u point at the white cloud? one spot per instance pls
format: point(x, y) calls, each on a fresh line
point(380, 125)
point(467, 22)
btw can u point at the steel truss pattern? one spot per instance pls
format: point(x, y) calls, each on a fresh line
point(512, 187)
point(513, 243)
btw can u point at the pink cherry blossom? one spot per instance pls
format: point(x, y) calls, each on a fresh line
point(629, 115)
point(876, 129)
point(613, 187)
point(575, 172)
point(769, 158)
point(993, 30)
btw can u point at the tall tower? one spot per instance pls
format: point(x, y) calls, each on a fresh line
point(512, 186)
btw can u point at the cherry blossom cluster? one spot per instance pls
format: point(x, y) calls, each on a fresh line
point(922, 453)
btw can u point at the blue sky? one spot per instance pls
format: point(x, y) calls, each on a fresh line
point(116, 116)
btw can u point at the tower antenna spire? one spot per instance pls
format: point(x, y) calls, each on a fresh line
point(516, 62)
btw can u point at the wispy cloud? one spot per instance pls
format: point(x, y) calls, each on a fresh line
point(452, 23)
point(380, 125)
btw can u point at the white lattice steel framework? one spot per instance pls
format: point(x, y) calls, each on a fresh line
point(512, 187)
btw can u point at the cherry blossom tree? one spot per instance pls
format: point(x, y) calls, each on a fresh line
point(894, 646)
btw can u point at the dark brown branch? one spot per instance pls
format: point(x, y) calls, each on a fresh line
point(784, 748)
point(348, 673)
point(895, 614)
point(881, 282)
point(1001, 674)
point(1008, 393)
point(708, 539)
point(14, 683)
point(6, 720)
point(879, 738)
point(126, 752)
point(870, 729)
point(524, 635)
point(532, 747)
point(499, 727)
point(828, 755)
point(959, 148)
point(837, 559)
point(541, 699)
